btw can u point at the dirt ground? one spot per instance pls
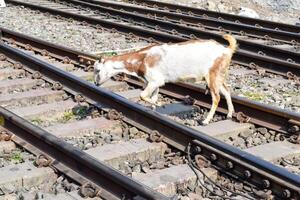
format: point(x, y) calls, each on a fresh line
point(284, 11)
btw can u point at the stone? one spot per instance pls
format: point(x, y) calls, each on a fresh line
point(136, 149)
point(133, 131)
point(25, 175)
point(211, 5)
point(263, 131)
point(169, 179)
point(224, 129)
point(247, 12)
point(82, 127)
point(278, 150)
point(245, 134)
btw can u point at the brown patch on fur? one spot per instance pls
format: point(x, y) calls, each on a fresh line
point(140, 59)
point(217, 72)
point(152, 60)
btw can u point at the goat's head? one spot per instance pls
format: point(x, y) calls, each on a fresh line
point(105, 69)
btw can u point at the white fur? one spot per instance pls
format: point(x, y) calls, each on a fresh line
point(179, 61)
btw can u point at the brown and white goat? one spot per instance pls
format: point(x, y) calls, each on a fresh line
point(159, 64)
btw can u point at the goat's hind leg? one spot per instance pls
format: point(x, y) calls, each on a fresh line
point(215, 102)
point(226, 92)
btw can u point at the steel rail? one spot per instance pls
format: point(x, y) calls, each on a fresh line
point(282, 182)
point(218, 15)
point(204, 22)
point(243, 57)
point(186, 31)
point(71, 160)
point(260, 114)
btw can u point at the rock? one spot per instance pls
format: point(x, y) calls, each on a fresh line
point(239, 142)
point(247, 12)
point(136, 169)
point(246, 134)
point(211, 5)
point(194, 196)
point(107, 139)
point(133, 131)
point(115, 138)
point(222, 8)
point(117, 130)
point(256, 141)
point(127, 169)
point(198, 190)
point(263, 131)
point(8, 189)
point(145, 167)
point(88, 146)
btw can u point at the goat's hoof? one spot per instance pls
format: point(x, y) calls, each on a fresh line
point(203, 123)
point(229, 116)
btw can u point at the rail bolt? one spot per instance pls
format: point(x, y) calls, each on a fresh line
point(43, 161)
point(36, 75)
point(12, 41)
point(66, 60)
point(79, 98)
point(28, 47)
point(2, 57)
point(201, 161)
point(81, 60)
point(242, 118)
point(5, 136)
point(189, 100)
point(229, 165)
point(155, 136)
point(57, 86)
point(18, 65)
point(247, 174)
point(290, 60)
point(114, 115)
point(266, 183)
point(197, 149)
point(44, 52)
point(89, 190)
point(286, 193)
point(213, 157)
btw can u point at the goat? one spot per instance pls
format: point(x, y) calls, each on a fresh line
point(159, 64)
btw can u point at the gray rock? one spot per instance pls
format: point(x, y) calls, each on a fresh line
point(246, 134)
point(137, 169)
point(194, 196)
point(256, 141)
point(133, 131)
point(239, 142)
point(263, 131)
point(8, 188)
point(211, 5)
point(115, 138)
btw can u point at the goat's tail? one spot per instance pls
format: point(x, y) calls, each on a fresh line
point(232, 42)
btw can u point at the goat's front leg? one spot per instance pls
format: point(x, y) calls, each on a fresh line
point(150, 93)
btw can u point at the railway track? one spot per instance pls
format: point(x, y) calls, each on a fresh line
point(251, 54)
point(217, 15)
point(225, 158)
point(218, 25)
